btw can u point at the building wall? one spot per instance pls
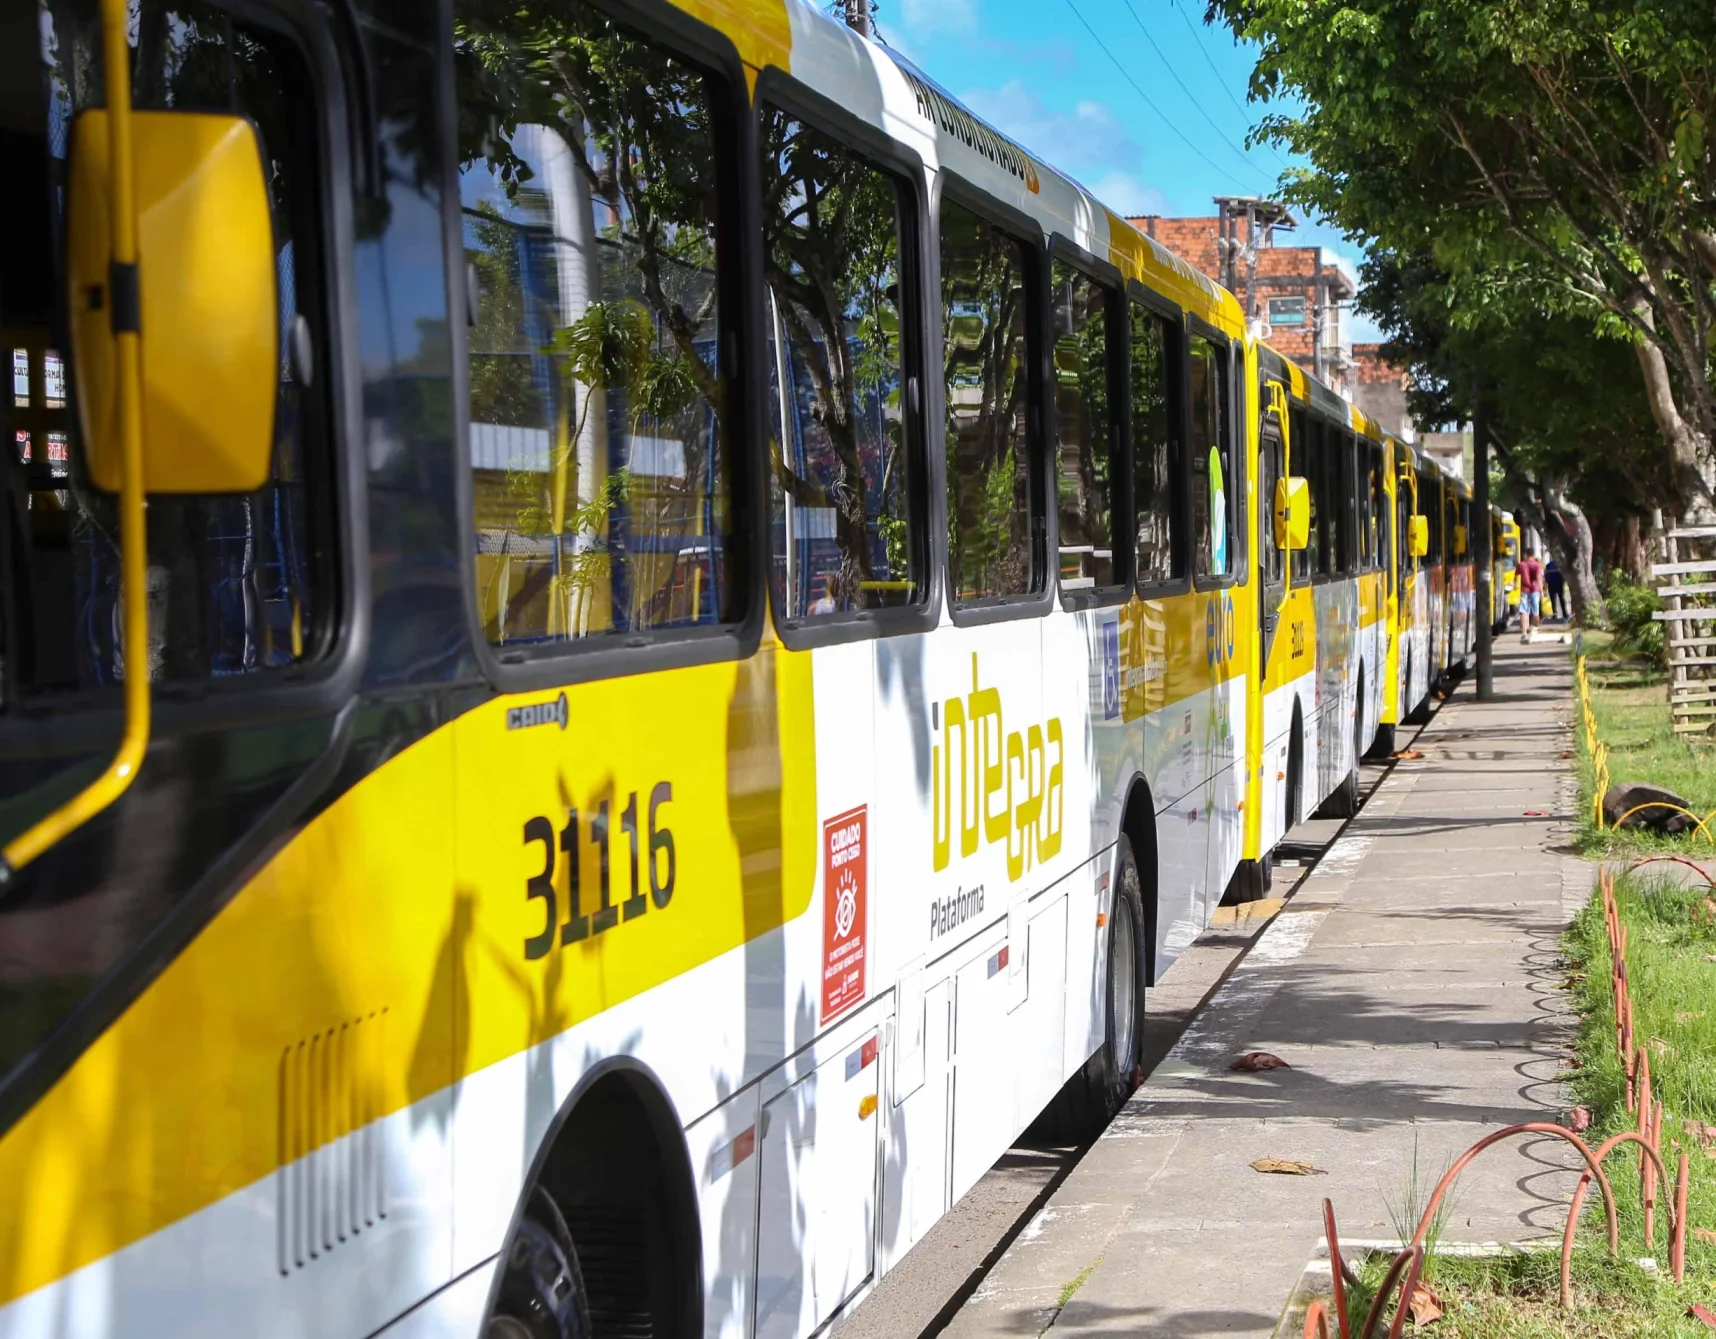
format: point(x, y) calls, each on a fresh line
point(1379, 388)
point(1282, 272)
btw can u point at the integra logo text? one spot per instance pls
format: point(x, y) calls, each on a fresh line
point(537, 713)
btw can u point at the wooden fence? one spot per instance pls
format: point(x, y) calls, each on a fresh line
point(1689, 625)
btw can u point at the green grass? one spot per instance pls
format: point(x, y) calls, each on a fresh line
point(1630, 700)
point(1672, 962)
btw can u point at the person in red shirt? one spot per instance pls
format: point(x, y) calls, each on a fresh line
point(1530, 594)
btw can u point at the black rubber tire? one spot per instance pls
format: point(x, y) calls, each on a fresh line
point(1088, 1100)
point(1382, 746)
point(542, 1294)
point(1343, 801)
point(1295, 776)
point(1252, 880)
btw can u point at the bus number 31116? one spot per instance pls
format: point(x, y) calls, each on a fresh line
point(606, 913)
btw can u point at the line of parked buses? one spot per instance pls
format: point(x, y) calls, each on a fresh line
point(770, 618)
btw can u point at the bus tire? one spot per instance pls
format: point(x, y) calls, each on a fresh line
point(1088, 1100)
point(1295, 773)
point(608, 1226)
point(1252, 880)
point(1382, 746)
point(541, 1292)
point(1420, 715)
point(1344, 802)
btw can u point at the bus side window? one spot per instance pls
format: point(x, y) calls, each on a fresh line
point(1156, 449)
point(1304, 461)
point(1268, 471)
point(1379, 511)
point(1213, 477)
point(1351, 557)
point(985, 328)
point(600, 443)
point(842, 479)
point(1086, 327)
point(239, 584)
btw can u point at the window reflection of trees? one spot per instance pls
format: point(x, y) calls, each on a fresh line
point(831, 251)
point(988, 453)
point(1082, 416)
point(1207, 397)
point(1152, 448)
point(599, 432)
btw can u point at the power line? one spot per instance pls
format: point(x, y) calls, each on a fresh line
point(1174, 75)
point(1221, 82)
point(1161, 116)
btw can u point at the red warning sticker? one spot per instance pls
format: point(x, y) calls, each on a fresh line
point(844, 897)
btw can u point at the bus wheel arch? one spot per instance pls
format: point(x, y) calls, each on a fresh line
point(615, 1168)
point(1138, 823)
point(1294, 800)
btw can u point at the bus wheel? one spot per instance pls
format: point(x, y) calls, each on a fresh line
point(1089, 1099)
point(1382, 747)
point(1252, 880)
point(1344, 803)
point(542, 1291)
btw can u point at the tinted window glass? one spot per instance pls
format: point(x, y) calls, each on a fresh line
point(1362, 498)
point(840, 488)
point(1378, 510)
point(1338, 481)
point(1403, 509)
point(1084, 425)
point(1211, 459)
point(983, 311)
point(600, 430)
point(1306, 464)
point(1155, 447)
point(238, 584)
point(1270, 470)
point(1430, 507)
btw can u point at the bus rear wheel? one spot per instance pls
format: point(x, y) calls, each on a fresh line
point(1089, 1099)
point(542, 1289)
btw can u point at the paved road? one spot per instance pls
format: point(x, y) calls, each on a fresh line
point(1412, 983)
point(926, 1289)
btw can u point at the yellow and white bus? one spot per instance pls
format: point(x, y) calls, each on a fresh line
point(711, 624)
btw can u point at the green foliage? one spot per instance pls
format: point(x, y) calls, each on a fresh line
point(1630, 606)
point(1545, 155)
point(1630, 700)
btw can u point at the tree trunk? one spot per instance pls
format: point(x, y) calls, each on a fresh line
point(1688, 449)
point(1568, 534)
point(1633, 558)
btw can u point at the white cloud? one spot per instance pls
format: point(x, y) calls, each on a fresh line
point(924, 18)
point(1126, 195)
point(1086, 141)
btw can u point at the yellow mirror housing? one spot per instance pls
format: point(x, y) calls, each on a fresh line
point(1418, 539)
point(204, 296)
point(1292, 514)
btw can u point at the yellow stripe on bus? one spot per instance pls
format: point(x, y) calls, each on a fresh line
point(377, 906)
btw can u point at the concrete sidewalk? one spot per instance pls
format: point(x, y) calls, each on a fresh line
point(1412, 984)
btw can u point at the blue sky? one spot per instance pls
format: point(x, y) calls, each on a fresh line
point(1168, 145)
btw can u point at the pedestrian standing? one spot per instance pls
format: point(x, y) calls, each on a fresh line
point(1552, 578)
point(1530, 594)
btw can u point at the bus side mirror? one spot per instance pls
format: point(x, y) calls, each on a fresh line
point(1292, 514)
point(1418, 538)
point(1459, 541)
point(203, 296)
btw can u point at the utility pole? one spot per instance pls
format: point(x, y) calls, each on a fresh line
point(1483, 548)
point(858, 16)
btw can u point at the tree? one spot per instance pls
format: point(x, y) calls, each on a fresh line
point(1550, 146)
point(1564, 406)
